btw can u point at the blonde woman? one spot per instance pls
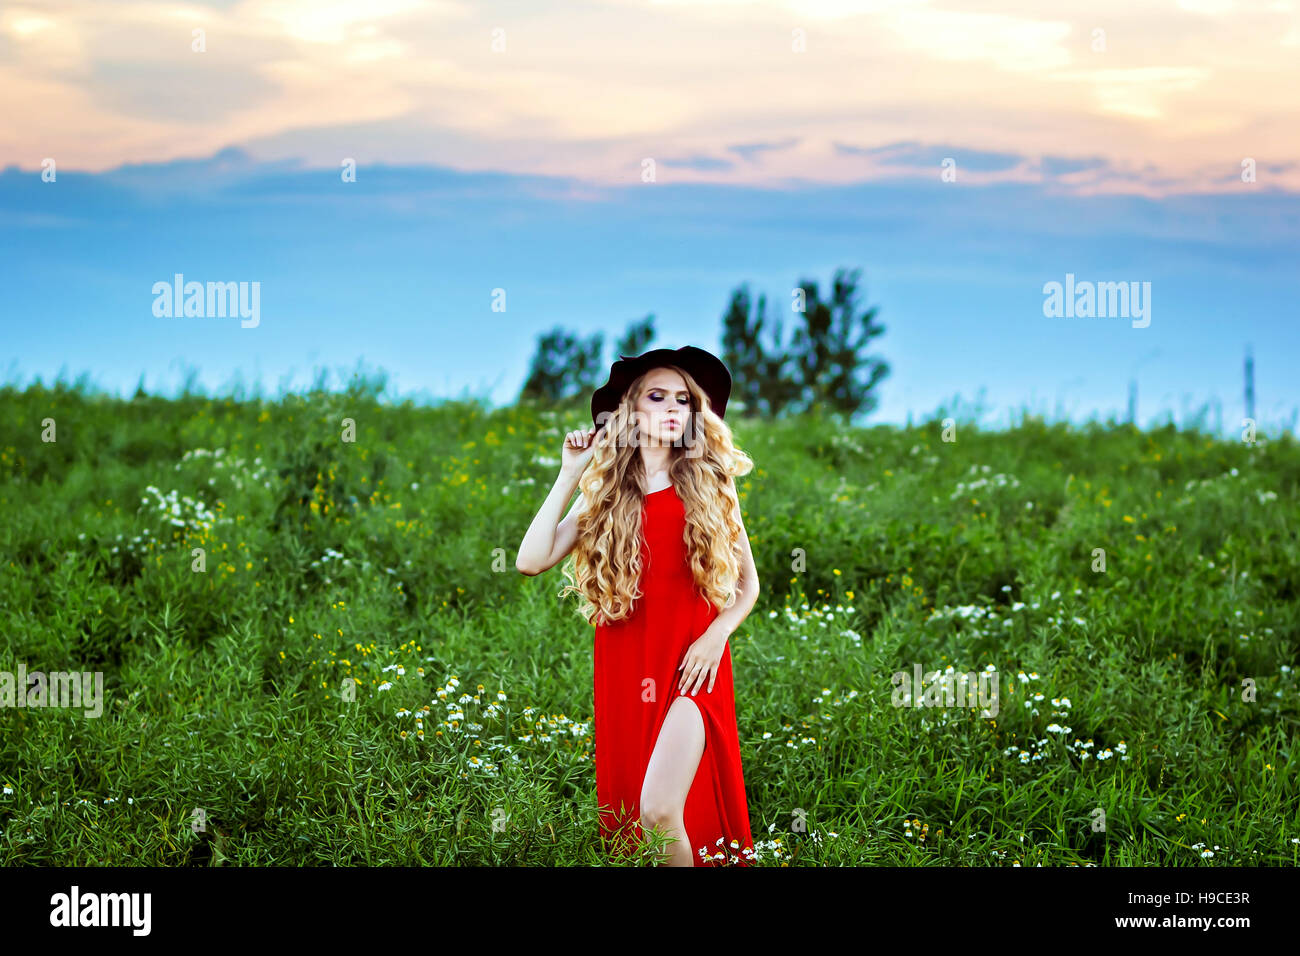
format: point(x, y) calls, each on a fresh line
point(663, 567)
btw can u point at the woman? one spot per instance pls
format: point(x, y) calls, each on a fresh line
point(662, 563)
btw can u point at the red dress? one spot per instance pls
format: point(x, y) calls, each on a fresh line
point(645, 647)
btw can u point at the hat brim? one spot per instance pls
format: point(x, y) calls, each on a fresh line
point(709, 372)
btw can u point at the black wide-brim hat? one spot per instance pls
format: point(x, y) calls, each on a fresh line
point(707, 370)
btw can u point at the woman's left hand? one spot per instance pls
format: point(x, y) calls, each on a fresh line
point(701, 661)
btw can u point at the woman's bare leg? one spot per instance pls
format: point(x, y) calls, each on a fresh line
point(669, 774)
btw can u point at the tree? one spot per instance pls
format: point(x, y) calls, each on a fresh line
point(760, 383)
point(563, 366)
point(832, 371)
point(821, 367)
point(635, 339)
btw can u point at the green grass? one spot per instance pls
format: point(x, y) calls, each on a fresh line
point(389, 562)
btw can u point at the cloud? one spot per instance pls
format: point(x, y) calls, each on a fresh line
point(589, 91)
point(928, 157)
point(697, 162)
point(153, 90)
point(335, 21)
point(1138, 91)
point(1006, 42)
point(752, 151)
point(212, 174)
point(1066, 165)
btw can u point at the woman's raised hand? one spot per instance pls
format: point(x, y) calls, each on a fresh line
point(579, 446)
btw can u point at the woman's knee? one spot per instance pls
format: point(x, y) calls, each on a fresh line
point(659, 814)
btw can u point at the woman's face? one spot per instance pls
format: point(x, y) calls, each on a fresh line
point(664, 408)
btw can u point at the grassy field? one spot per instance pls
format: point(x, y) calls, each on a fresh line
point(1127, 731)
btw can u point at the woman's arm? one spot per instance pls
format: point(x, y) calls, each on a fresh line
point(725, 624)
point(545, 545)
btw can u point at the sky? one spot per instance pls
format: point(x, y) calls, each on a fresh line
point(589, 163)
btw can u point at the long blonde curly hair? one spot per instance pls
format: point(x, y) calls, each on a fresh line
point(604, 567)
